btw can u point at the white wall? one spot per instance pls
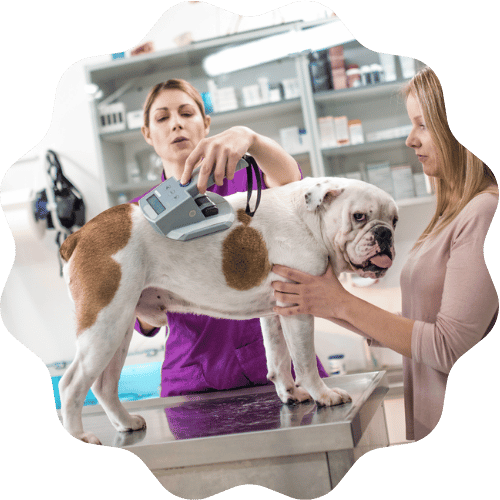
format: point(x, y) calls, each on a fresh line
point(36, 307)
point(35, 304)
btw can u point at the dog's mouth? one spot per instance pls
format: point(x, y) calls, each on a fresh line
point(376, 265)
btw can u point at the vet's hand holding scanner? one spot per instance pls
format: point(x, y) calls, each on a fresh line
point(180, 212)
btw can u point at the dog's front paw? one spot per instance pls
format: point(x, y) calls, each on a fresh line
point(88, 437)
point(294, 395)
point(332, 397)
point(343, 394)
point(133, 423)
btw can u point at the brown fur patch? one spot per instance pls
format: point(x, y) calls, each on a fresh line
point(94, 275)
point(245, 260)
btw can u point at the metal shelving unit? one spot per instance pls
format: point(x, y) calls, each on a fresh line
point(376, 105)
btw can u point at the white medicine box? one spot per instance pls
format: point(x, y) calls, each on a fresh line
point(380, 175)
point(112, 117)
point(402, 177)
point(135, 119)
point(294, 140)
point(356, 132)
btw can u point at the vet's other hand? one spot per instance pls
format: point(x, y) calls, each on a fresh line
point(218, 154)
point(320, 296)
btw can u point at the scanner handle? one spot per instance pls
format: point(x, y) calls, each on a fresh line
point(192, 187)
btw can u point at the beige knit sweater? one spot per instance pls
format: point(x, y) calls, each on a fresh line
point(447, 289)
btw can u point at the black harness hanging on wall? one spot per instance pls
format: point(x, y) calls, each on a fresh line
point(61, 204)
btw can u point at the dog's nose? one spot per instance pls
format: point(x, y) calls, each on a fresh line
point(382, 233)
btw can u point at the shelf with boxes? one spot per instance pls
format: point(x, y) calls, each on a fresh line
point(363, 147)
point(339, 131)
point(130, 165)
point(361, 119)
point(141, 170)
point(111, 74)
point(402, 180)
point(280, 99)
point(353, 66)
point(365, 92)
point(132, 130)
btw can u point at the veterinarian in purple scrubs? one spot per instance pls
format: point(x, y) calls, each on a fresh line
point(204, 353)
point(449, 302)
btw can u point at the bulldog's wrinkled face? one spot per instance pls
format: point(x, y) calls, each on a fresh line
point(359, 219)
point(371, 252)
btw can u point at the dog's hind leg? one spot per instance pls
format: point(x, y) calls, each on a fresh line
point(299, 335)
point(96, 347)
point(279, 362)
point(105, 389)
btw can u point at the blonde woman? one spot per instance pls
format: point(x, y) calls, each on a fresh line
point(449, 302)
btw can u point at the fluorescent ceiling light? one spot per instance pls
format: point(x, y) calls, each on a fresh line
point(276, 47)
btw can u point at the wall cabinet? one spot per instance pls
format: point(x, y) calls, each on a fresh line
point(129, 165)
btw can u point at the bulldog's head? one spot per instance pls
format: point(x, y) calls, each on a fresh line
point(359, 220)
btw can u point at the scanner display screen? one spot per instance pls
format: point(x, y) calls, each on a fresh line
point(156, 204)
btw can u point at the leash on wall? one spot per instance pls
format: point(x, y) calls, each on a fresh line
point(61, 204)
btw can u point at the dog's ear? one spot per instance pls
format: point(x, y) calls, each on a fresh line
point(322, 194)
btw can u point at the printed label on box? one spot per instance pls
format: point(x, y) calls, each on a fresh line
point(327, 132)
point(342, 130)
point(402, 177)
point(356, 132)
point(380, 175)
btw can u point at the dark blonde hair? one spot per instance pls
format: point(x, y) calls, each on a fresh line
point(462, 175)
point(176, 84)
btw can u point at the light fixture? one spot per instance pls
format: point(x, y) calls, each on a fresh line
point(93, 91)
point(276, 47)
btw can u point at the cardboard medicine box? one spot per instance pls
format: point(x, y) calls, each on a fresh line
point(402, 177)
point(380, 175)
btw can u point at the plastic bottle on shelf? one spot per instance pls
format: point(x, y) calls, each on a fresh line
point(388, 63)
point(366, 75)
point(376, 72)
point(353, 74)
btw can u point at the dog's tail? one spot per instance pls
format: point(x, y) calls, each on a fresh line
point(68, 246)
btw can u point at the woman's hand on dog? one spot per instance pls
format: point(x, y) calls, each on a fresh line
point(320, 296)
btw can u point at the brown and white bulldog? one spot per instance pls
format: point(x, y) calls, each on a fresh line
point(118, 267)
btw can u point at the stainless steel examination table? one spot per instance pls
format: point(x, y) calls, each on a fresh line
point(200, 445)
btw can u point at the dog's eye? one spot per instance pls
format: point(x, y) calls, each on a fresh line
point(394, 222)
point(359, 217)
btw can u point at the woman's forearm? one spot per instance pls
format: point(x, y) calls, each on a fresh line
point(325, 297)
point(389, 329)
point(279, 168)
point(220, 154)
